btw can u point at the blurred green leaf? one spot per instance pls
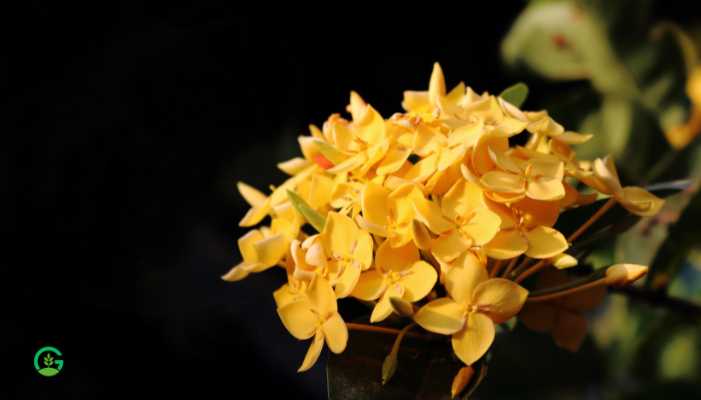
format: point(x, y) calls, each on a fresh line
point(682, 237)
point(515, 94)
point(314, 218)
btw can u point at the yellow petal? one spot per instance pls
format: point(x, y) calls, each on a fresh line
point(418, 281)
point(390, 258)
point(374, 203)
point(436, 87)
point(503, 182)
point(246, 245)
point(461, 199)
point(545, 189)
point(348, 279)
point(252, 196)
point(335, 333)
point(293, 166)
point(286, 295)
point(570, 330)
point(240, 271)
point(535, 213)
point(401, 307)
point(371, 285)
point(499, 298)
point(321, 297)
point(430, 214)
point(506, 244)
point(462, 279)
point(423, 169)
point(299, 319)
point(545, 242)
point(482, 227)
point(394, 159)
point(256, 214)
point(357, 106)
point(339, 233)
point(443, 316)
point(605, 172)
point(448, 247)
point(313, 353)
point(362, 253)
point(270, 250)
point(383, 308)
point(419, 232)
point(641, 202)
point(471, 343)
point(349, 164)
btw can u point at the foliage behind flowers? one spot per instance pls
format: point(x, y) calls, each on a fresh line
point(443, 215)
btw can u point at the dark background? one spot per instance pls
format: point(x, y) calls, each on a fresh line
point(127, 128)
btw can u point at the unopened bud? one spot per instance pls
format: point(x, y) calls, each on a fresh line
point(624, 274)
point(461, 380)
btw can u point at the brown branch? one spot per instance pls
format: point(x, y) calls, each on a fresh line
point(660, 299)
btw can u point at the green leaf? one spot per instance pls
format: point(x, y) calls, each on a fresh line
point(515, 94)
point(314, 218)
point(330, 152)
point(682, 237)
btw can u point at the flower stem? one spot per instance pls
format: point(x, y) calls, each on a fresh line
point(595, 217)
point(532, 270)
point(381, 329)
point(496, 268)
point(567, 292)
point(510, 267)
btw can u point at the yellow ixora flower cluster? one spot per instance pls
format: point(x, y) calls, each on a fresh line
point(434, 201)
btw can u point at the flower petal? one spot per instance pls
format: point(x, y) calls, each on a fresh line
point(430, 214)
point(270, 250)
point(419, 232)
point(443, 316)
point(503, 182)
point(335, 333)
point(448, 247)
point(374, 204)
point(506, 244)
point(640, 202)
point(313, 352)
point(418, 281)
point(390, 258)
point(462, 279)
point(545, 242)
point(345, 283)
point(338, 235)
point(383, 308)
point(482, 227)
point(299, 319)
point(371, 285)
point(499, 298)
point(252, 195)
point(472, 342)
point(240, 271)
point(322, 297)
point(362, 252)
point(545, 189)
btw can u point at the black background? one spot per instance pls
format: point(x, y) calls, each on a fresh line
point(127, 128)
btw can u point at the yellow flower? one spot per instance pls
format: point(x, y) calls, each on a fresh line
point(315, 315)
point(604, 178)
point(349, 250)
point(262, 248)
point(475, 304)
point(526, 228)
point(398, 273)
point(475, 223)
point(680, 136)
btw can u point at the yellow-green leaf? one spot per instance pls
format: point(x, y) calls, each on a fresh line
point(314, 218)
point(515, 94)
